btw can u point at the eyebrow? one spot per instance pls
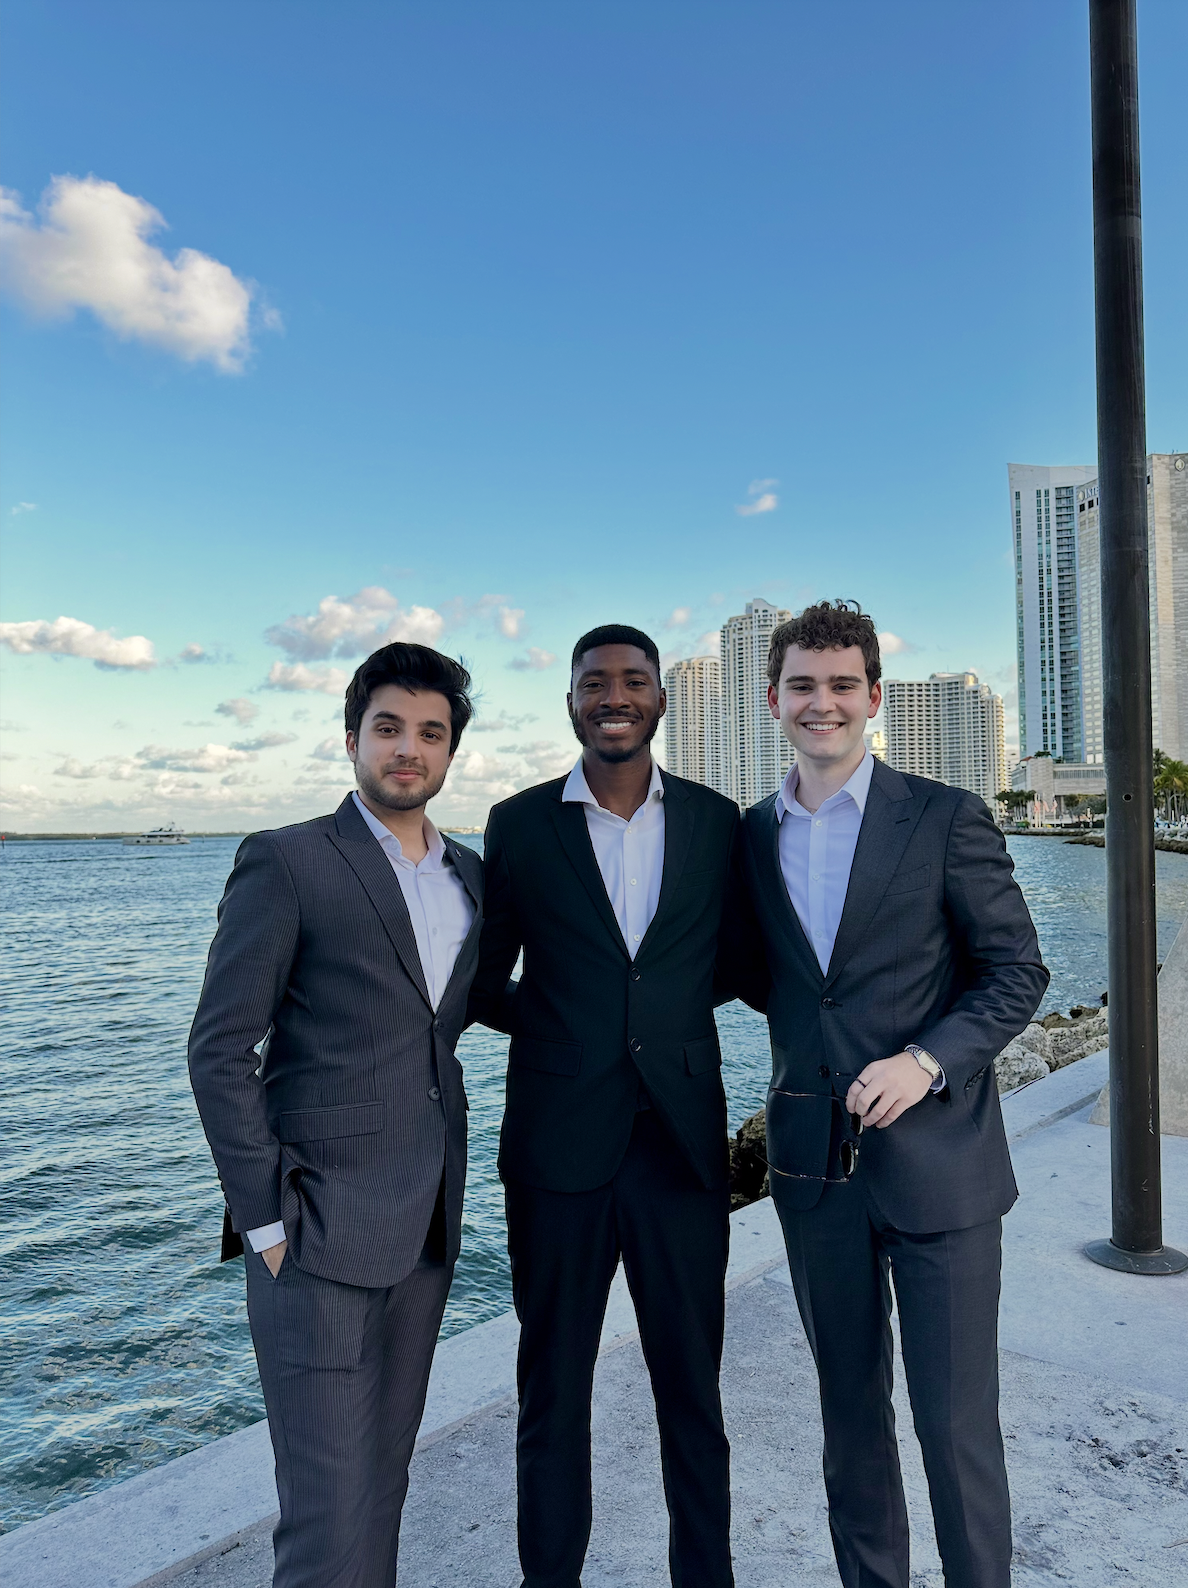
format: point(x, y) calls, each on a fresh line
point(391, 716)
point(834, 678)
point(606, 672)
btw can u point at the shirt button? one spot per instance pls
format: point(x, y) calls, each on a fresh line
point(816, 876)
point(637, 937)
point(633, 882)
point(434, 1094)
point(817, 823)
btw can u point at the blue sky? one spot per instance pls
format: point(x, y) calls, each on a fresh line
point(540, 295)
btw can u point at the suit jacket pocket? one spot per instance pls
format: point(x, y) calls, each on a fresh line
point(703, 1054)
point(553, 1058)
point(323, 1124)
point(909, 881)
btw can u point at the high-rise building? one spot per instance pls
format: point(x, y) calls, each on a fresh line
point(947, 727)
point(693, 722)
point(1047, 607)
point(1167, 566)
point(1055, 522)
point(755, 754)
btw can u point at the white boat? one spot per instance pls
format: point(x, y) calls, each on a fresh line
point(160, 835)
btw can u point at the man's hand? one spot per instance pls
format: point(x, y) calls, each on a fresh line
point(886, 1089)
point(274, 1256)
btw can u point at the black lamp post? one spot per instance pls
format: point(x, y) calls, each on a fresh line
point(1136, 1243)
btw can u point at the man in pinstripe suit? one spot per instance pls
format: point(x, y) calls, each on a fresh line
point(346, 946)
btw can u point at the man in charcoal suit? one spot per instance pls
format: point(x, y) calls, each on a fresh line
point(613, 881)
point(346, 946)
point(902, 959)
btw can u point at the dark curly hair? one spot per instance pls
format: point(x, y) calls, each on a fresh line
point(415, 668)
point(826, 626)
point(616, 634)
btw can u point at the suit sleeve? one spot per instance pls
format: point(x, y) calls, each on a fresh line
point(492, 995)
point(247, 974)
point(741, 969)
point(1005, 976)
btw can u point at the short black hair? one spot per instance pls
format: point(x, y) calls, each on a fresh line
point(415, 668)
point(616, 634)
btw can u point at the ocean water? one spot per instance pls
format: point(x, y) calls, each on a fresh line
point(123, 1340)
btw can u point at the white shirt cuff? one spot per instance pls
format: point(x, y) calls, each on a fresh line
point(937, 1086)
point(267, 1235)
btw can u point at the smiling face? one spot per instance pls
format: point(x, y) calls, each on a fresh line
point(615, 702)
point(402, 750)
point(823, 703)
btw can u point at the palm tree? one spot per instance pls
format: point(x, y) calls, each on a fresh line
point(1171, 785)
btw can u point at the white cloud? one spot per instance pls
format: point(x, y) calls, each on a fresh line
point(767, 503)
point(88, 248)
point(242, 710)
point(508, 621)
point(194, 653)
point(23, 507)
point(71, 767)
point(294, 677)
point(331, 749)
point(370, 618)
point(265, 741)
point(207, 758)
point(73, 637)
point(536, 661)
point(678, 617)
point(891, 645)
point(501, 724)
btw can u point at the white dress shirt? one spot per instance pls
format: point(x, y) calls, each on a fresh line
point(817, 854)
point(630, 854)
point(441, 912)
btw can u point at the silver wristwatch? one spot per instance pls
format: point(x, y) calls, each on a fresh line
point(925, 1060)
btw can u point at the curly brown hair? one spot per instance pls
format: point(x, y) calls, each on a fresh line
point(827, 626)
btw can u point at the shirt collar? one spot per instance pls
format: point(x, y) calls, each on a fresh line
point(434, 840)
point(577, 790)
point(857, 786)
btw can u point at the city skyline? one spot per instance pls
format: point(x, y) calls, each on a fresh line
point(485, 327)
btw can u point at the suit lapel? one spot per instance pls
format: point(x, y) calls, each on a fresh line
point(889, 820)
point(769, 844)
point(679, 822)
point(362, 853)
point(570, 822)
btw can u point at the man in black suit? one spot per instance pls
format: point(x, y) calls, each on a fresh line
point(346, 945)
point(902, 960)
point(612, 880)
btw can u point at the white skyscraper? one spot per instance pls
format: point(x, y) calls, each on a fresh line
point(1055, 522)
point(693, 722)
point(1167, 548)
point(947, 727)
point(755, 754)
point(1047, 607)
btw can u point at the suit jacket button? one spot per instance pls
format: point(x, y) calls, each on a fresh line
point(823, 1071)
point(827, 1003)
point(636, 1044)
point(435, 1093)
point(635, 975)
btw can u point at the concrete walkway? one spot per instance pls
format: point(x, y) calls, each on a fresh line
point(1095, 1412)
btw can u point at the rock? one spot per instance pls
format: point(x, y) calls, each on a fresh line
point(1054, 1022)
point(748, 1162)
point(1016, 1065)
point(1035, 1038)
point(1089, 1033)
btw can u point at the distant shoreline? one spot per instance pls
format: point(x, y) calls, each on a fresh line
point(85, 838)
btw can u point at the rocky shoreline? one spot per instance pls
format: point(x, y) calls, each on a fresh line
point(1046, 1045)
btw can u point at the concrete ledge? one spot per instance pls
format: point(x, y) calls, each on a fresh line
point(149, 1529)
point(1054, 1097)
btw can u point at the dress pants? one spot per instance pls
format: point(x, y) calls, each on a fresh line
point(842, 1255)
point(344, 1372)
point(673, 1236)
